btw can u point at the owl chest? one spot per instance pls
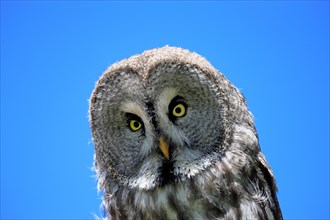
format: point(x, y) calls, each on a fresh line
point(182, 201)
point(169, 203)
point(185, 204)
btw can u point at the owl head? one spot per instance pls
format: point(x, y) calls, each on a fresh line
point(171, 133)
point(162, 117)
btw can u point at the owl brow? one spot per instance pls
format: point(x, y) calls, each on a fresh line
point(131, 116)
point(177, 99)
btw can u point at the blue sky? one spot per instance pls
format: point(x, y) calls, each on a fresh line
point(52, 53)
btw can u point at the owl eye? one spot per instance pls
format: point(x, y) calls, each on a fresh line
point(134, 122)
point(135, 125)
point(177, 108)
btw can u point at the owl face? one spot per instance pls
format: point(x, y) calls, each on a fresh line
point(156, 130)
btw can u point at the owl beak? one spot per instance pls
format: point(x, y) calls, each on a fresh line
point(164, 148)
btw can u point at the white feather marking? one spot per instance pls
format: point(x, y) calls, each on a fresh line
point(132, 107)
point(144, 182)
point(165, 97)
point(249, 209)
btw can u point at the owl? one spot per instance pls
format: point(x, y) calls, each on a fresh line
point(174, 139)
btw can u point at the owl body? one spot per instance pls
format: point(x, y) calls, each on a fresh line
point(174, 140)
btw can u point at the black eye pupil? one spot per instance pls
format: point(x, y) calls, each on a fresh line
point(136, 124)
point(178, 110)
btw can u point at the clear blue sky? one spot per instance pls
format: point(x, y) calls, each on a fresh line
point(52, 53)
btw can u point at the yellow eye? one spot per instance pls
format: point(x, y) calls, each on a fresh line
point(135, 125)
point(179, 110)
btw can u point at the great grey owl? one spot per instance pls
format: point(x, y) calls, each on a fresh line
point(174, 139)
